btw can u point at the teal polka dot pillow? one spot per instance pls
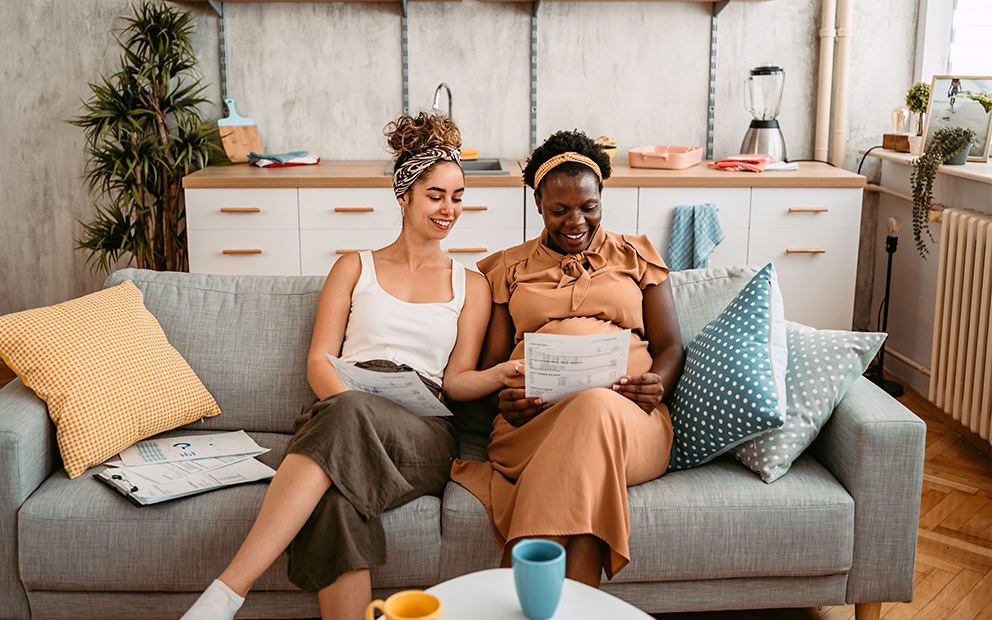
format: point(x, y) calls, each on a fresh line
point(822, 366)
point(733, 384)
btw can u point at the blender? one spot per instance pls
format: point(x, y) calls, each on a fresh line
point(763, 98)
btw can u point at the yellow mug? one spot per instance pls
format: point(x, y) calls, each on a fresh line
point(407, 605)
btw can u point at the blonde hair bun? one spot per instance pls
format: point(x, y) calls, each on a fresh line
point(410, 135)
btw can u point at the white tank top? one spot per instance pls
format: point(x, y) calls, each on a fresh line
point(420, 335)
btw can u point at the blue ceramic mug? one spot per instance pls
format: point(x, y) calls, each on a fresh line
point(539, 574)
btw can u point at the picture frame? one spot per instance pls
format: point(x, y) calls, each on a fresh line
point(946, 108)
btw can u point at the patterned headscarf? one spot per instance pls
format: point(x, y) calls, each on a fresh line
point(560, 159)
point(409, 171)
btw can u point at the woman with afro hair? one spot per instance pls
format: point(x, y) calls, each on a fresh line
point(561, 472)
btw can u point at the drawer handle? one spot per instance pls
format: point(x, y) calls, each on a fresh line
point(805, 251)
point(478, 208)
point(242, 252)
point(467, 250)
point(351, 251)
point(808, 209)
point(354, 209)
point(240, 210)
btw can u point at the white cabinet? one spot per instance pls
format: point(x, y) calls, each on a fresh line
point(812, 237)
point(657, 208)
point(811, 234)
point(239, 231)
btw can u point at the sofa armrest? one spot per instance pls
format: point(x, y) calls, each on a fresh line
point(874, 446)
point(28, 456)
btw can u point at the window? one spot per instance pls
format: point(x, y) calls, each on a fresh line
point(971, 38)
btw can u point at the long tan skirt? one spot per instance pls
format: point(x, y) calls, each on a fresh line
point(566, 472)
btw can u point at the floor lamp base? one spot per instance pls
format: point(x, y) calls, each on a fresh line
point(892, 388)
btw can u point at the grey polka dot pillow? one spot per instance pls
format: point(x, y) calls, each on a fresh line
point(822, 366)
point(733, 384)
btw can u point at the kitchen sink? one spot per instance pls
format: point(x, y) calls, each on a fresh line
point(488, 166)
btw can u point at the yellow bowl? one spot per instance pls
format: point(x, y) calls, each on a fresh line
point(611, 150)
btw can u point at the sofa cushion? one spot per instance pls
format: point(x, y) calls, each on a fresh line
point(721, 521)
point(183, 545)
point(823, 364)
point(246, 337)
point(106, 370)
point(733, 384)
point(702, 294)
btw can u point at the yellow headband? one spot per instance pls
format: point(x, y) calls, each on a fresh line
point(561, 158)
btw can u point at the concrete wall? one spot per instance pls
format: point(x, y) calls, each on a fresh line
point(326, 77)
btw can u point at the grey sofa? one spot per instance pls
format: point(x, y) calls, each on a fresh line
point(839, 528)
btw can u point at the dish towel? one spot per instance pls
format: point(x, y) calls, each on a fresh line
point(277, 160)
point(696, 232)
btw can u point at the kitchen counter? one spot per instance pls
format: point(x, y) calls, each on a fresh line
point(368, 173)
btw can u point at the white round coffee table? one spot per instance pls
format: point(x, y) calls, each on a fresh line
point(491, 595)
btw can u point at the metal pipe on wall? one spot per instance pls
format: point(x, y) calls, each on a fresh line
point(828, 34)
point(840, 95)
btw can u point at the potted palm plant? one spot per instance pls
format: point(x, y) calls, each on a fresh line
point(144, 132)
point(947, 144)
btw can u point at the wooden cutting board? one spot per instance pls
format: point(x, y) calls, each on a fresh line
point(238, 134)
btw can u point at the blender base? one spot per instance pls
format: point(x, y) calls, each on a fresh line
point(764, 139)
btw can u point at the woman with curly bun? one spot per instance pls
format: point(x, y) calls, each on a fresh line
point(355, 455)
point(562, 471)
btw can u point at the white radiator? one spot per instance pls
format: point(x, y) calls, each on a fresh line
point(961, 366)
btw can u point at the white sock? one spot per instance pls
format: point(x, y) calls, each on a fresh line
point(218, 602)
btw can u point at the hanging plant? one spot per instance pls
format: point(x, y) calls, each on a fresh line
point(946, 143)
point(144, 133)
point(917, 100)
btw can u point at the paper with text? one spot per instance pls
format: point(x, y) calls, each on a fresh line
point(403, 388)
point(164, 473)
point(248, 470)
point(558, 366)
point(173, 449)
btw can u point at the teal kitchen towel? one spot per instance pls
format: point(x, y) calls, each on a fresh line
point(695, 234)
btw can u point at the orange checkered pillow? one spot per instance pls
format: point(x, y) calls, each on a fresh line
point(106, 370)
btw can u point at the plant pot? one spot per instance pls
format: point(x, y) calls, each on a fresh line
point(960, 159)
point(916, 145)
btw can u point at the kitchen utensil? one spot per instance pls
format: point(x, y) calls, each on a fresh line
point(763, 99)
point(668, 157)
point(238, 134)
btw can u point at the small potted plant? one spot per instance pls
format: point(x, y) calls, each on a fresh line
point(950, 145)
point(917, 100)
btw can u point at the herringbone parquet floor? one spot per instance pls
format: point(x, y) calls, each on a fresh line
point(954, 551)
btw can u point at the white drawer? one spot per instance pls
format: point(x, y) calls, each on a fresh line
point(492, 207)
point(788, 207)
point(241, 209)
point(244, 252)
point(731, 251)
point(657, 205)
point(817, 288)
point(320, 249)
point(469, 245)
point(619, 208)
point(350, 207)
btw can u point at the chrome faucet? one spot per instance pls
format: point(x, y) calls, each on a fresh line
point(437, 97)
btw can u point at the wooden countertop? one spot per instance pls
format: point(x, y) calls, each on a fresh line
point(369, 173)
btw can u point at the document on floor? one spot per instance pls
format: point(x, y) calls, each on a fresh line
point(142, 492)
point(557, 366)
point(189, 448)
point(403, 388)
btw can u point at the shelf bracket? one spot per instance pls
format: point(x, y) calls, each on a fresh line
point(533, 75)
point(405, 44)
point(218, 6)
point(718, 6)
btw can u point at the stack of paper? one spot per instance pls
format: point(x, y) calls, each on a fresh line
point(157, 470)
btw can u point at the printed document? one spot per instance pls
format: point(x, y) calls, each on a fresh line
point(142, 492)
point(403, 388)
point(558, 366)
point(173, 449)
point(164, 473)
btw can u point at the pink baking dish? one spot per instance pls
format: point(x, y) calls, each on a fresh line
point(670, 157)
